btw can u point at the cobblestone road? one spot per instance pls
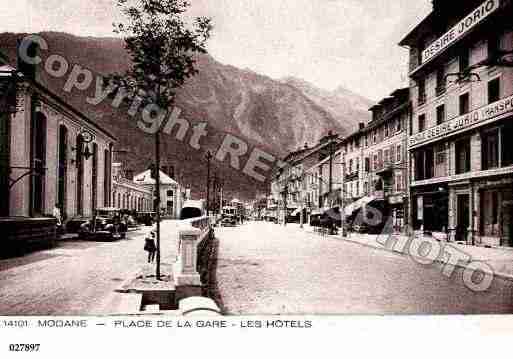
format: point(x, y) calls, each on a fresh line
point(76, 277)
point(265, 268)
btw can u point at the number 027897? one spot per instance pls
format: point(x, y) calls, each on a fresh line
point(24, 347)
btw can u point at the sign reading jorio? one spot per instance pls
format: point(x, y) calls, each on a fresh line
point(460, 29)
point(463, 122)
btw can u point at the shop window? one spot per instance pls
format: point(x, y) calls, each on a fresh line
point(440, 114)
point(494, 89)
point(490, 150)
point(422, 122)
point(464, 104)
point(490, 213)
point(463, 156)
point(507, 144)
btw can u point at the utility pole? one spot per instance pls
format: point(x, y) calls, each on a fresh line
point(157, 204)
point(209, 158)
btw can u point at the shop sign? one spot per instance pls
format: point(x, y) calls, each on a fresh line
point(464, 122)
point(460, 29)
point(395, 199)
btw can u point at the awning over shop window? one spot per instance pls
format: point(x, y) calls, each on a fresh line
point(362, 202)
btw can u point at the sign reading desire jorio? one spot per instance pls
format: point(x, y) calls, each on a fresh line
point(465, 122)
point(460, 29)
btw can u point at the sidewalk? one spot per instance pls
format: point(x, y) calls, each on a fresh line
point(500, 259)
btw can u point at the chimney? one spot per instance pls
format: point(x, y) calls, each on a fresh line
point(306, 146)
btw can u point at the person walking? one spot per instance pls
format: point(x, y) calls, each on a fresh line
point(150, 247)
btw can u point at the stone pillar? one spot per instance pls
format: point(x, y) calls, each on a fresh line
point(185, 267)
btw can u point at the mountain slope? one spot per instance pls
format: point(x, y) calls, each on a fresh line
point(272, 115)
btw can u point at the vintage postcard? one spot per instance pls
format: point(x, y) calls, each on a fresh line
point(288, 160)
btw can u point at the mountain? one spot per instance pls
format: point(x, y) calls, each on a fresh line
point(347, 107)
point(274, 116)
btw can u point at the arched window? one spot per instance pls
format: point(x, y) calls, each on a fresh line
point(62, 169)
point(38, 162)
point(94, 179)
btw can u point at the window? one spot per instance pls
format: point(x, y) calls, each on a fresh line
point(399, 153)
point(38, 160)
point(464, 104)
point(94, 179)
point(107, 179)
point(387, 157)
point(424, 164)
point(398, 182)
point(380, 159)
point(350, 166)
point(367, 164)
point(392, 154)
point(490, 150)
point(493, 46)
point(463, 156)
point(494, 89)
point(376, 163)
point(421, 83)
point(399, 125)
point(506, 144)
point(422, 123)
point(440, 114)
point(374, 136)
point(387, 131)
point(464, 59)
point(440, 155)
point(440, 81)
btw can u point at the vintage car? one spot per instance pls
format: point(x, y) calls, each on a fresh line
point(228, 221)
point(106, 225)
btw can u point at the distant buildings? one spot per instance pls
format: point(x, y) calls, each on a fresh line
point(172, 194)
point(437, 156)
point(127, 194)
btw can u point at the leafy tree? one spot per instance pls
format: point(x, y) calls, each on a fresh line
point(162, 47)
point(162, 43)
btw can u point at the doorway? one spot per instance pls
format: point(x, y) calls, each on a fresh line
point(463, 217)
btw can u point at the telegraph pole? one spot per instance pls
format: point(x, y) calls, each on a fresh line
point(157, 201)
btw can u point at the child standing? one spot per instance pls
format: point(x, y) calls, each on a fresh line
point(150, 247)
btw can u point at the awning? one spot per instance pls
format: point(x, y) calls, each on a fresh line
point(362, 202)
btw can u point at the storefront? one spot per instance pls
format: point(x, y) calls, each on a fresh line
point(431, 208)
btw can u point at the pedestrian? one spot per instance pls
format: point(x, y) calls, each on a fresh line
point(150, 247)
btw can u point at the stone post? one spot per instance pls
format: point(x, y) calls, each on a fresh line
point(185, 267)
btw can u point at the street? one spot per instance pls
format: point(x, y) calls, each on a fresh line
point(76, 277)
point(265, 268)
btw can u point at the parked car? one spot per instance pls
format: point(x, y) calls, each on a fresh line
point(228, 221)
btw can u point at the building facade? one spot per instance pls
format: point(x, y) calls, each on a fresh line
point(172, 194)
point(461, 73)
point(52, 156)
point(128, 195)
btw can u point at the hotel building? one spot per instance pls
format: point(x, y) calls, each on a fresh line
point(461, 91)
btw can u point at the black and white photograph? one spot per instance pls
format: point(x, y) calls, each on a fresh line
point(227, 158)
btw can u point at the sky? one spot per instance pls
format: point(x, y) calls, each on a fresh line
point(330, 43)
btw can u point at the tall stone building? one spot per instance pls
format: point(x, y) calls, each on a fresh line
point(462, 121)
